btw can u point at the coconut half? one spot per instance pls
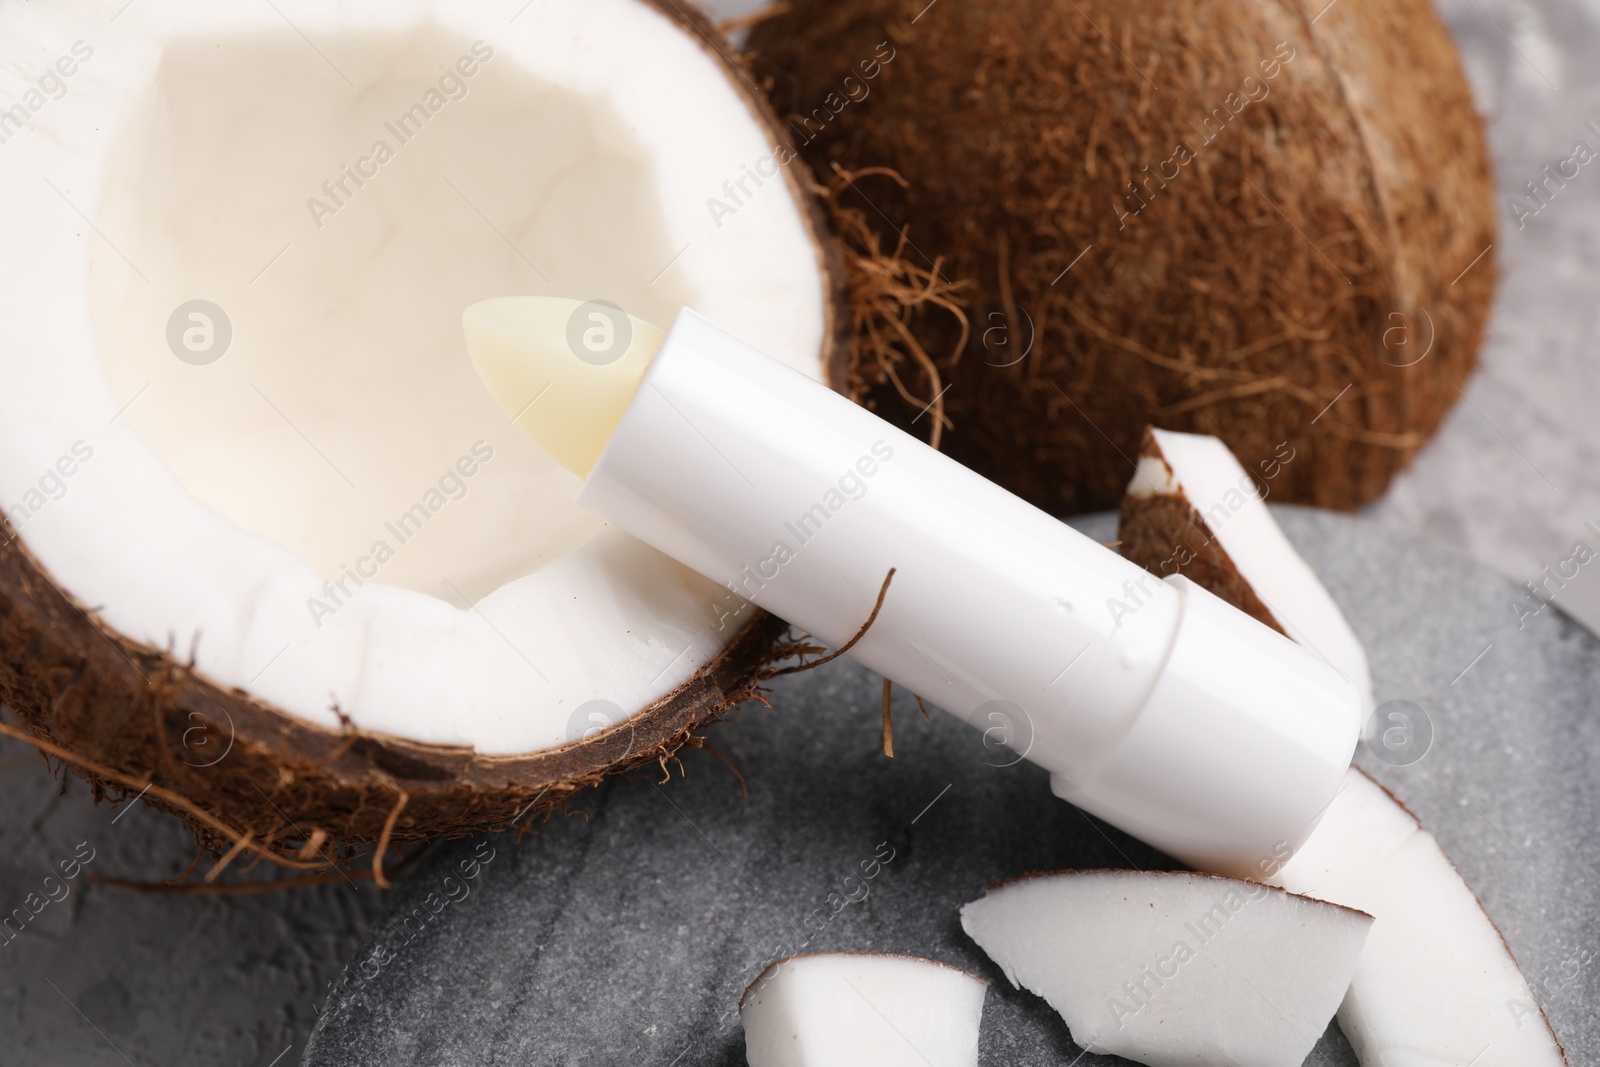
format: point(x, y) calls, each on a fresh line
point(254, 495)
point(1173, 968)
point(862, 1009)
point(1271, 222)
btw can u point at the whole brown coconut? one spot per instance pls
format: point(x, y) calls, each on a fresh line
point(1264, 221)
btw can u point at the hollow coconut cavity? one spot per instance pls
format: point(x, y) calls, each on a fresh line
point(268, 544)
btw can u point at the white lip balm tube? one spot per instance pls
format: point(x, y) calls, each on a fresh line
point(1152, 703)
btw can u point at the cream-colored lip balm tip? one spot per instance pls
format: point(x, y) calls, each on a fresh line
point(562, 370)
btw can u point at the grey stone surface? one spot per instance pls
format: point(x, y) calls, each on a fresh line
point(107, 976)
point(627, 933)
point(1514, 475)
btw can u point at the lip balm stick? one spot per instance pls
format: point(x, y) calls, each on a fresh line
point(1152, 703)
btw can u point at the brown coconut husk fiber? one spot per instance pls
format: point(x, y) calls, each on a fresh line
point(890, 295)
point(1334, 223)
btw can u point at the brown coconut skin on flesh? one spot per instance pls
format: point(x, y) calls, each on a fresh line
point(135, 720)
point(1333, 233)
point(1166, 534)
point(127, 715)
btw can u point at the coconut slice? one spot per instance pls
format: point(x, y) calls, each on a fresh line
point(1172, 967)
point(1191, 509)
point(254, 494)
point(864, 1009)
point(1437, 983)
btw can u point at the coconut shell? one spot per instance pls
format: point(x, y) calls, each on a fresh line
point(135, 720)
point(1325, 242)
point(125, 716)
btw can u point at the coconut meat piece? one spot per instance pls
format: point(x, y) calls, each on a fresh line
point(1437, 984)
point(862, 1010)
point(1191, 500)
point(340, 451)
point(1173, 967)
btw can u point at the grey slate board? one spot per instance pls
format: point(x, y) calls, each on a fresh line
point(626, 935)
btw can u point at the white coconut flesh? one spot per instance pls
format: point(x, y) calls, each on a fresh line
point(1174, 968)
point(1203, 471)
point(1437, 984)
point(335, 434)
point(862, 1009)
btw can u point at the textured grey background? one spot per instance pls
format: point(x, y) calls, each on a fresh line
point(1514, 475)
point(629, 934)
point(109, 977)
